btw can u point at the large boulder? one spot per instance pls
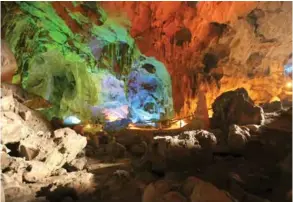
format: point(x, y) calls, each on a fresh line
point(236, 107)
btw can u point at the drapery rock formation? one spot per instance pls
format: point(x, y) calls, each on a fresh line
point(220, 45)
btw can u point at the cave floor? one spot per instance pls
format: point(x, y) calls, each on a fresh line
point(195, 166)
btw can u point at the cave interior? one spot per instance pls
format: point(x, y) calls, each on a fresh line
point(132, 101)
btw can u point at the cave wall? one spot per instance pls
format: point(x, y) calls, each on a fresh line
point(83, 62)
point(207, 47)
point(215, 46)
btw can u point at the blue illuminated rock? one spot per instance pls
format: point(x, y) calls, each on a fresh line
point(149, 91)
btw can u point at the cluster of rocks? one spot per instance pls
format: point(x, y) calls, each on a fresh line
point(32, 153)
point(242, 133)
point(226, 163)
point(191, 189)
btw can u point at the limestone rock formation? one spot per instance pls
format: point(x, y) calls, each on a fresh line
point(34, 154)
point(88, 63)
point(221, 45)
point(92, 75)
point(149, 91)
point(236, 107)
point(237, 137)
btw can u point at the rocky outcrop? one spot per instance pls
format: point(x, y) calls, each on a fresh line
point(33, 152)
point(236, 107)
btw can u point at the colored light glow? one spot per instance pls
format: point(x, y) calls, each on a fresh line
point(210, 112)
point(92, 128)
point(149, 92)
point(288, 68)
point(88, 78)
point(289, 84)
point(178, 124)
point(133, 126)
point(275, 98)
point(114, 114)
point(88, 126)
point(71, 120)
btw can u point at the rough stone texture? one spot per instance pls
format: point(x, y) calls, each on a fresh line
point(64, 151)
point(237, 137)
point(12, 128)
point(220, 45)
point(149, 91)
point(247, 44)
point(5, 160)
point(8, 63)
point(7, 100)
point(36, 146)
point(272, 106)
point(235, 107)
point(28, 135)
point(33, 134)
point(12, 100)
point(206, 139)
point(36, 171)
point(280, 120)
point(78, 163)
point(253, 129)
point(28, 152)
point(200, 190)
point(13, 189)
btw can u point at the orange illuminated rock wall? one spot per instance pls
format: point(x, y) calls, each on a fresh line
point(214, 46)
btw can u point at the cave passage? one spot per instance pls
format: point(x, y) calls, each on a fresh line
point(146, 101)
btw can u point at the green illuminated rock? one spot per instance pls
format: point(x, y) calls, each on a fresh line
point(74, 70)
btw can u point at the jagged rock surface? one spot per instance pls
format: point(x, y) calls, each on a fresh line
point(236, 107)
point(34, 153)
point(220, 46)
